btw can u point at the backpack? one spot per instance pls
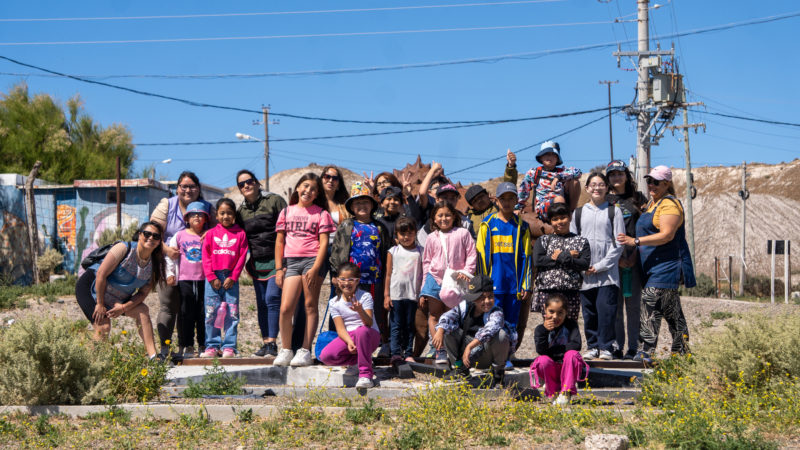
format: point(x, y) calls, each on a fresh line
point(99, 254)
point(610, 209)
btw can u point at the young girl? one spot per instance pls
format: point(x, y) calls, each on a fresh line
point(558, 341)
point(559, 259)
point(403, 280)
point(601, 280)
point(300, 251)
point(224, 252)
point(448, 246)
point(352, 312)
point(190, 279)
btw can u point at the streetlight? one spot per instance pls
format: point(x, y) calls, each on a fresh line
point(153, 169)
point(247, 137)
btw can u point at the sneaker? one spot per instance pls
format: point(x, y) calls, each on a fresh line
point(509, 365)
point(563, 399)
point(644, 357)
point(441, 357)
point(629, 356)
point(384, 352)
point(351, 371)
point(605, 355)
point(592, 353)
point(283, 358)
point(498, 373)
point(617, 354)
point(209, 353)
point(228, 353)
point(301, 359)
point(410, 359)
point(431, 353)
point(364, 383)
point(268, 349)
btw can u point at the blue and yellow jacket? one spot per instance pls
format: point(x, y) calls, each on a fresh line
point(522, 252)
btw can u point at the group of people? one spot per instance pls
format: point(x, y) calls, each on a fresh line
point(406, 267)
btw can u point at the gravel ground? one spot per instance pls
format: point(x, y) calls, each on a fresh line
point(697, 310)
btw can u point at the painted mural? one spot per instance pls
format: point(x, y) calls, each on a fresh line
point(65, 225)
point(15, 255)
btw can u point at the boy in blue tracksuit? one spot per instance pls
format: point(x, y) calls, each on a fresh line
point(503, 245)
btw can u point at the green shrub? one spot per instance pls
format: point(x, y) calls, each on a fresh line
point(45, 362)
point(369, 413)
point(759, 286)
point(705, 287)
point(49, 262)
point(215, 382)
point(111, 235)
point(131, 375)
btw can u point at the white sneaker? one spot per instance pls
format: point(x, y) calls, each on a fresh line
point(283, 358)
point(301, 359)
point(364, 383)
point(351, 371)
point(592, 353)
point(563, 399)
point(441, 357)
point(384, 352)
point(605, 355)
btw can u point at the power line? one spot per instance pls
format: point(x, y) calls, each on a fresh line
point(302, 36)
point(278, 13)
point(751, 119)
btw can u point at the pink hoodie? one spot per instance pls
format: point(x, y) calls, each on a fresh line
point(224, 249)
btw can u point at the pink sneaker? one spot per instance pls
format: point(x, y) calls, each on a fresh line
point(228, 353)
point(209, 353)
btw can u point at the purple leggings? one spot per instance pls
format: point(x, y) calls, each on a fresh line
point(366, 340)
point(558, 376)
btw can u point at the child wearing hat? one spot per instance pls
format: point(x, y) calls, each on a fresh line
point(364, 241)
point(480, 206)
point(475, 333)
point(547, 182)
point(191, 282)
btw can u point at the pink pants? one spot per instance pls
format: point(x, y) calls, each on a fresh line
point(558, 377)
point(366, 340)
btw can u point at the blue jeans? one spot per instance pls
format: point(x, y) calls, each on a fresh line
point(510, 306)
point(599, 307)
point(214, 297)
point(402, 318)
point(268, 302)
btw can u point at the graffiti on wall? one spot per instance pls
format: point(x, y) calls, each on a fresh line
point(15, 254)
point(65, 222)
point(104, 220)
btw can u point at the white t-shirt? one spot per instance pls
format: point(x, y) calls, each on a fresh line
point(352, 320)
point(406, 273)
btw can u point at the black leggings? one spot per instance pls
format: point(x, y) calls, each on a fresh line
point(191, 317)
point(83, 292)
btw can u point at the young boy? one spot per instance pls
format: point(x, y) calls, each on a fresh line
point(475, 333)
point(548, 181)
point(403, 282)
point(364, 241)
point(480, 206)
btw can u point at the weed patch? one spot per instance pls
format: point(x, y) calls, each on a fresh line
point(216, 381)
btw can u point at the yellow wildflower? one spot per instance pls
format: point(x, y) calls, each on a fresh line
point(143, 372)
point(124, 332)
point(167, 342)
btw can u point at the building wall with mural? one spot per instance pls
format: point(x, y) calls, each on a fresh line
point(15, 255)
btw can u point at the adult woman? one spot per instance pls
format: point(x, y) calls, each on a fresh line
point(169, 214)
point(120, 283)
point(335, 193)
point(258, 214)
point(665, 260)
point(623, 194)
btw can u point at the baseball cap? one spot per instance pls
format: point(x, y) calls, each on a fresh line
point(391, 191)
point(473, 192)
point(616, 166)
point(505, 187)
point(447, 188)
point(662, 173)
point(478, 285)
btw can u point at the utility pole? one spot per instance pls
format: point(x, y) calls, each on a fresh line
point(265, 119)
point(33, 234)
point(744, 194)
point(689, 178)
point(119, 197)
point(642, 87)
point(610, 133)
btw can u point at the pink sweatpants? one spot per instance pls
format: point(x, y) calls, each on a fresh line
point(558, 377)
point(366, 340)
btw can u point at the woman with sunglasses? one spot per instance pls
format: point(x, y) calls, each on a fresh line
point(169, 215)
point(119, 284)
point(666, 263)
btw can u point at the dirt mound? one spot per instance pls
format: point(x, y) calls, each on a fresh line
point(283, 182)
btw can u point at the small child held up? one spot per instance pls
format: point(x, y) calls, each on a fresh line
point(352, 313)
point(558, 342)
point(191, 282)
point(224, 253)
point(548, 181)
point(403, 281)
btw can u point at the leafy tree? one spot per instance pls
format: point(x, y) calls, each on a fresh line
point(69, 143)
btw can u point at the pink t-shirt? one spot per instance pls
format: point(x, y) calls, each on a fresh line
point(303, 227)
point(191, 248)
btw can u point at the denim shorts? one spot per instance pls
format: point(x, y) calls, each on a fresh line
point(299, 266)
point(430, 288)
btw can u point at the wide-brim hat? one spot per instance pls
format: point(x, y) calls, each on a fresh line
point(196, 207)
point(479, 285)
point(359, 190)
point(549, 147)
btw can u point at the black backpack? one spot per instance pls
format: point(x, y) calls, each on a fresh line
point(99, 254)
point(610, 209)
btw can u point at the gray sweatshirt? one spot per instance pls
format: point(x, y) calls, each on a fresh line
point(596, 228)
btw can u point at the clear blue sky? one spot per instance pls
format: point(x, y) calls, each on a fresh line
point(747, 71)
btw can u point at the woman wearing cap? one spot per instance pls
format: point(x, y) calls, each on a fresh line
point(169, 215)
point(666, 262)
point(623, 194)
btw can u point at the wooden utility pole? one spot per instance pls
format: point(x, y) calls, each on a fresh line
point(744, 194)
point(33, 234)
point(119, 195)
point(265, 119)
point(610, 133)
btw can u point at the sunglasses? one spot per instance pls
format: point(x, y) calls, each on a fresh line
point(652, 181)
point(330, 177)
point(244, 183)
point(150, 234)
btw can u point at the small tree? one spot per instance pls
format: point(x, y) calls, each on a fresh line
point(111, 235)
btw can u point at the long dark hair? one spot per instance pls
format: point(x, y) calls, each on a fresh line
point(595, 175)
point(252, 175)
point(193, 177)
point(392, 180)
point(320, 200)
point(453, 211)
point(630, 185)
point(157, 257)
point(341, 195)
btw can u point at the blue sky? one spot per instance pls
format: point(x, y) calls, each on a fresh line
point(746, 71)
